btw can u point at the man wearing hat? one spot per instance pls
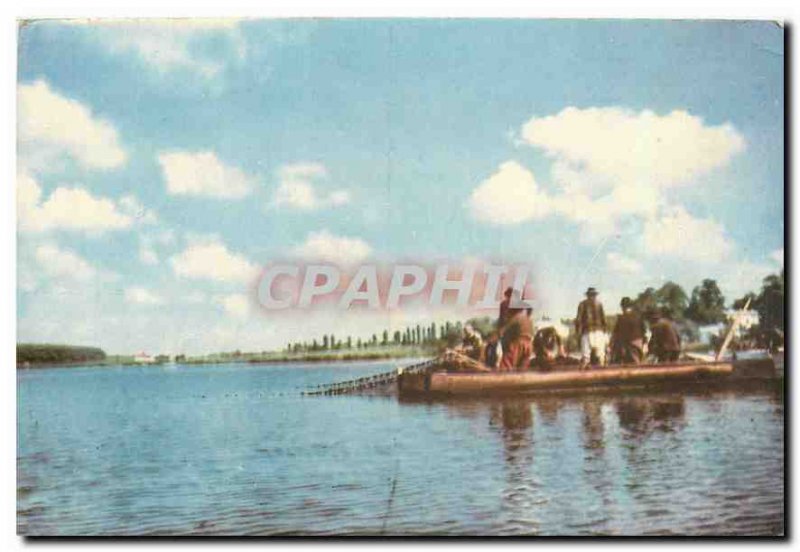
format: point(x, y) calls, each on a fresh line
point(590, 325)
point(627, 339)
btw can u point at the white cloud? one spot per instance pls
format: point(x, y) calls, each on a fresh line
point(302, 171)
point(195, 298)
point(296, 188)
point(618, 262)
point(610, 169)
point(211, 260)
point(638, 148)
point(67, 209)
point(203, 174)
point(51, 127)
point(509, 196)
point(676, 233)
point(777, 256)
point(150, 243)
point(236, 305)
point(62, 263)
point(326, 247)
point(132, 207)
point(147, 255)
point(167, 45)
point(142, 296)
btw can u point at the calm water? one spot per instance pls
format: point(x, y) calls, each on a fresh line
point(236, 450)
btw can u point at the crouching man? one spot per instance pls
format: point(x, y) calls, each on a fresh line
point(517, 337)
point(627, 339)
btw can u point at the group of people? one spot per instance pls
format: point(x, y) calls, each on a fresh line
point(629, 344)
point(514, 345)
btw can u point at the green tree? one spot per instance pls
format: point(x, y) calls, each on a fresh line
point(484, 325)
point(672, 296)
point(707, 305)
point(646, 301)
point(742, 301)
point(770, 302)
point(385, 339)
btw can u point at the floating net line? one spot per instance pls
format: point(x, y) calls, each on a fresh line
point(366, 383)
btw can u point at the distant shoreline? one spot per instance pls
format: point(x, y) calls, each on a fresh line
point(308, 358)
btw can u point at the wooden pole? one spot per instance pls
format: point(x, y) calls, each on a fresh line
point(734, 324)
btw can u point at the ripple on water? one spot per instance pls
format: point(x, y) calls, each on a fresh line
point(228, 451)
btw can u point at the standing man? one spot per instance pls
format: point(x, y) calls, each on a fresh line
point(665, 341)
point(517, 337)
point(505, 308)
point(627, 339)
point(590, 325)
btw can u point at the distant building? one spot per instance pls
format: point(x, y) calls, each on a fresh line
point(708, 332)
point(747, 319)
point(143, 358)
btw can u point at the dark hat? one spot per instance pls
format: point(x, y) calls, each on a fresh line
point(591, 291)
point(625, 303)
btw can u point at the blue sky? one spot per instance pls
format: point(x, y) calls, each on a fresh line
point(161, 162)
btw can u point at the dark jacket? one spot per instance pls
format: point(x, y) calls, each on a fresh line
point(664, 338)
point(628, 329)
point(590, 317)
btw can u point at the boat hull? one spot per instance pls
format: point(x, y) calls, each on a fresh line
point(444, 383)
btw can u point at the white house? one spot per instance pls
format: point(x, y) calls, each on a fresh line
point(747, 319)
point(143, 358)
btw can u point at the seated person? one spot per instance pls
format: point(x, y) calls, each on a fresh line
point(493, 351)
point(472, 345)
point(665, 341)
point(547, 348)
point(628, 337)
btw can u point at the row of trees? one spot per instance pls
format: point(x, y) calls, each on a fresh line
point(419, 335)
point(706, 305)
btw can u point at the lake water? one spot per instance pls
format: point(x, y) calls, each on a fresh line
point(236, 450)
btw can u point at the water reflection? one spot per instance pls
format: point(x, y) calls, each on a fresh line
point(513, 421)
point(642, 416)
point(631, 456)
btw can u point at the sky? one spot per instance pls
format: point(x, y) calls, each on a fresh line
point(161, 163)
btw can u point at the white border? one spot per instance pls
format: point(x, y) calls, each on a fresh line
point(778, 10)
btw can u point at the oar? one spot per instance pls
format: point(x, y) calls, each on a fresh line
point(734, 324)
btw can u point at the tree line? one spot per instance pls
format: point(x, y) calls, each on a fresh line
point(52, 354)
point(412, 336)
point(706, 304)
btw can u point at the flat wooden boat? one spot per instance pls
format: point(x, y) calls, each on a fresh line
point(454, 375)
